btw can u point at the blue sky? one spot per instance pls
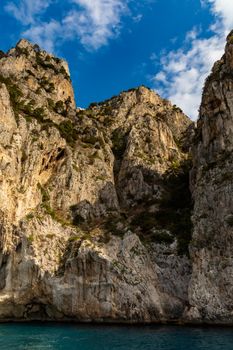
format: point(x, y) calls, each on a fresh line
point(114, 45)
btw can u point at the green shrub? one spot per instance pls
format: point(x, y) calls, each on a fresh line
point(47, 85)
point(111, 225)
point(90, 139)
point(30, 72)
point(46, 202)
point(30, 216)
point(39, 59)
point(2, 54)
point(230, 39)
point(174, 209)
point(50, 235)
point(93, 104)
point(57, 60)
point(176, 206)
point(46, 63)
point(22, 51)
point(14, 92)
point(59, 107)
point(78, 220)
point(64, 73)
point(30, 238)
point(177, 109)
point(44, 193)
point(108, 121)
point(39, 114)
point(74, 238)
point(119, 142)
point(68, 132)
point(145, 220)
point(51, 104)
point(162, 237)
point(27, 108)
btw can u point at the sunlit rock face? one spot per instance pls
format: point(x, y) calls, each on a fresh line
point(95, 207)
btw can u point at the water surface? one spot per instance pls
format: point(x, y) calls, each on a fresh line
point(33, 336)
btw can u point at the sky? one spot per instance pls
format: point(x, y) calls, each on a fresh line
point(114, 45)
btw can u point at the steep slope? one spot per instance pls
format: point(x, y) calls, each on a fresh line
point(94, 204)
point(210, 291)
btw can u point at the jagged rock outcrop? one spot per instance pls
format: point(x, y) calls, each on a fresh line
point(95, 204)
point(210, 290)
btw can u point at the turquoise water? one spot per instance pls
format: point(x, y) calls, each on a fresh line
point(77, 337)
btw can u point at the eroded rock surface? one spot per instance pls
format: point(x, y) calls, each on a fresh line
point(95, 207)
point(210, 290)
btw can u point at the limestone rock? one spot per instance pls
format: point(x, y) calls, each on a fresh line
point(211, 249)
point(95, 207)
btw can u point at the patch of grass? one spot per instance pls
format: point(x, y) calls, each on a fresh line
point(50, 235)
point(44, 193)
point(74, 238)
point(100, 178)
point(30, 238)
point(29, 216)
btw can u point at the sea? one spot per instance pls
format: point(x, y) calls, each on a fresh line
point(45, 336)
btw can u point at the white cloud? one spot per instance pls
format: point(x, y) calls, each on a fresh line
point(94, 23)
point(224, 10)
point(185, 70)
point(26, 11)
point(161, 76)
point(44, 34)
point(138, 18)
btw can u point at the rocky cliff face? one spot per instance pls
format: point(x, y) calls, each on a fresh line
point(212, 246)
point(94, 224)
point(95, 205)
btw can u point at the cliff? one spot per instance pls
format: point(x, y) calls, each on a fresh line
point(211, 249)
point(97, 220)
point(90, 227)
